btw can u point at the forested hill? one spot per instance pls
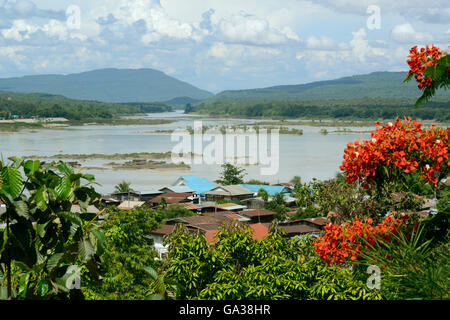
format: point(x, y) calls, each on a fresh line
point(373, 85)
point(108, 85)
point(48, 105)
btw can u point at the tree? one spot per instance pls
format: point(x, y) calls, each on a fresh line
point(263, 194)
point(278, 205)
point(123, 187)
point(431, 69)
point(238, 267)
point(163, 203)
point(397, 151)
point(188, 108)
point(231, 175)
point(296, 180)
point(44, 245)
point(128, 251)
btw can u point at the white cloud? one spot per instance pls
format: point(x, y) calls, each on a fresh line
point(19, 31)
point(235, 51)
point(405, 33)
point(320, 43)
point(248, 29)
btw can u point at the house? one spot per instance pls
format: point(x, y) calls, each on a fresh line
point(271, 190)
point(293, 230)
point(129, 195)
point(177, 189)
point(128, 205)
point(107, 201)
point(171, 197)
point(199, 185)
point(198, 208)
point(231, 192)
point(316, 223)
point(258, 215)
point(230, 207)
point(147, 195)
point(200, 223)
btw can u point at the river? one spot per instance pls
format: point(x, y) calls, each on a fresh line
point(309, 155)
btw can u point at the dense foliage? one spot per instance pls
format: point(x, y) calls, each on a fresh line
point(368, 108)
point(128, 250)
point(40, 105)
point(43, 243)
point(238, 267)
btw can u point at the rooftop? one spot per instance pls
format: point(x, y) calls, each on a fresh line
point(231, 190)
point(171, 197)
point(127, 205)
point(178, 189)
point(271, 190)
point(257, 213)
point(199, 185)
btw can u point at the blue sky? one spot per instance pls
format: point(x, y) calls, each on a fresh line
point(219, 45)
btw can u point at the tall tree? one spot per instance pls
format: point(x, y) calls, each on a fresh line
point(123, 186)
point(231, 175)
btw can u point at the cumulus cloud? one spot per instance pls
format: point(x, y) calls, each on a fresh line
point(233, 51)
point(405, 33)
point(248, 29)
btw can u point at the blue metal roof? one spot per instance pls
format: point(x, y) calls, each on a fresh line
point(199, 185)
point(271, 190)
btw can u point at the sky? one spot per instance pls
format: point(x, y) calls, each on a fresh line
point(219, 45)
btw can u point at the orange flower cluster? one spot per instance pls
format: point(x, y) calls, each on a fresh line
point(342, 244)
point(420, 60)
point(404, 145)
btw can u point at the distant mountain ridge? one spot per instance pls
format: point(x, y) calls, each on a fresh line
point(108, 85)
point(373, 85)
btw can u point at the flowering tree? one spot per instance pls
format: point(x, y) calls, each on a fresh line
point(342, 243)
point(431, 69)
point(398, 149)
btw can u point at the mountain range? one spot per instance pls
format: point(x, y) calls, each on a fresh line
point(108, 85)
point(149, 85)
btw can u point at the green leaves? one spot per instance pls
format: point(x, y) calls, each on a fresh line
point(46, 237)
point(30, 167)
point(12, 181)
point(86, 249)
point(64, 188)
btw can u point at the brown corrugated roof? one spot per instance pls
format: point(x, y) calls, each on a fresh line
point(171, 197)
point(164, 230)
point(257, 213)
point(298, 229)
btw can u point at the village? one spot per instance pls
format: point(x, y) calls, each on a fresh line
point(213, 204)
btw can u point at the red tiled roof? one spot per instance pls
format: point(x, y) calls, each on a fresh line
point(260, 231)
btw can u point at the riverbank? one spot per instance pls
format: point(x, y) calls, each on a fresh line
point(13, 126)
